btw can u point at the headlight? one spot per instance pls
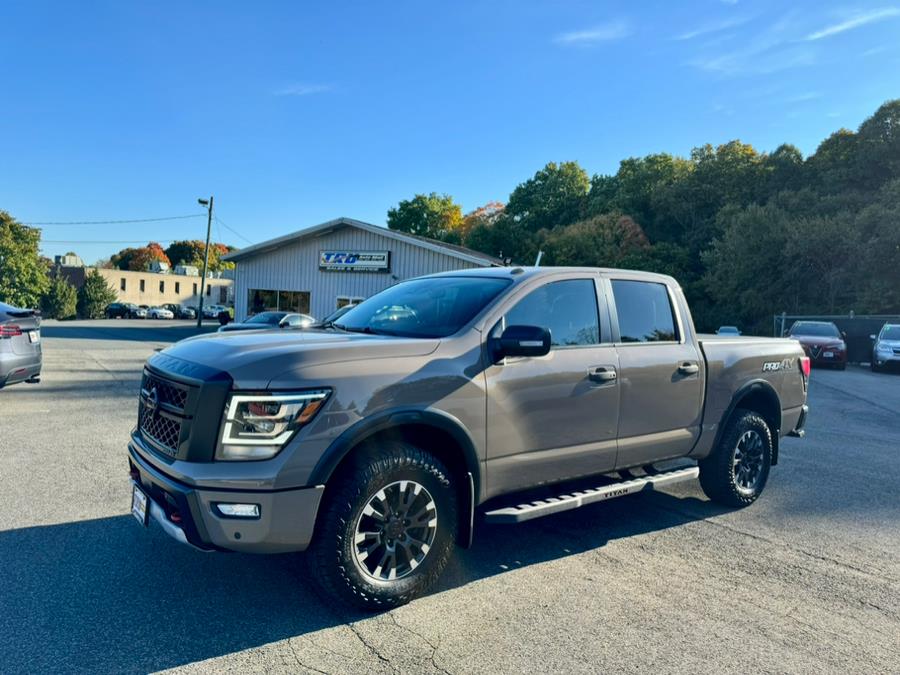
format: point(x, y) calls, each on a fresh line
point(258, 425)
point(884, 349)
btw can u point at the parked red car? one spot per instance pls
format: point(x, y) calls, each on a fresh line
point(822, 341)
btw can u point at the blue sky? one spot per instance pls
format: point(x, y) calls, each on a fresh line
point(294, 113)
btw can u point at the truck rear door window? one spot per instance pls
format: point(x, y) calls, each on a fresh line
point(645, 312)
point(568, 309)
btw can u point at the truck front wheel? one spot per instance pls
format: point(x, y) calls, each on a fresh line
point(736, 471)
point(386, 529)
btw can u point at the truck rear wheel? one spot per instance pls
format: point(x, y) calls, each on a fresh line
point(386, 529)
point(736, 472)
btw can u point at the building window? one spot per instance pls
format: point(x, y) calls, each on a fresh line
point(223, 294)
point(293, 301)
point(344, 300)
point(122, 284)
point(177, 288)
point(259, 300)
point(195, 289)
point(142, 285)
point(162, 286)
point(208, 291)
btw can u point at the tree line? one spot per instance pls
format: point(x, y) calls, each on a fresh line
point(28, 279)
point(747, 233)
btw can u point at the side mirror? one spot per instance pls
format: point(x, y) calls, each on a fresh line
point(873, 337)
point(844, 334)
point(522, 341)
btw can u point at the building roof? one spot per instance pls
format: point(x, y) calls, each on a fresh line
point(451, 250)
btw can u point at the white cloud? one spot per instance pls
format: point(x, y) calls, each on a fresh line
point(607, 32)
point(715, 27)
point(769, 51)
point(855, 22)
point(299, 89)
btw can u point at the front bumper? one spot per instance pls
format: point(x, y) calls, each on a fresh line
point(187, 513)
point(886, 358)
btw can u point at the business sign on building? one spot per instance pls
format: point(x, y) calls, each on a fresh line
point(355, 261)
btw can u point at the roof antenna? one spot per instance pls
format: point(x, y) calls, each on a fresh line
point(537, 262)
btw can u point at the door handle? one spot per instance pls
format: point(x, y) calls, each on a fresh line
point(688, 368)
point(602, 374)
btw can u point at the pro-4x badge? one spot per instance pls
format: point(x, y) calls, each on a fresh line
point(784, 364)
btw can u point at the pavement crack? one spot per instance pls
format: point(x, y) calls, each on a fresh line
point(434, 647)
point(372, 649)
point(300, 661)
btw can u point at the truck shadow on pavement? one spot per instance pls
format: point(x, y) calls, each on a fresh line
point(104, 595)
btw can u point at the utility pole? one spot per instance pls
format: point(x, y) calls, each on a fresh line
point(209, 207)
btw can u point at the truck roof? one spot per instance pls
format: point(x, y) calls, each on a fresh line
point(521, 273)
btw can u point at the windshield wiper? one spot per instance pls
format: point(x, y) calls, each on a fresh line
point(368, 330)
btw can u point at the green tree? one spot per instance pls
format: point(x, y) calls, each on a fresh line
point(635, 191)
point(601, 241)
point(23, 277)
point(556, 195)
point(433, 215)
point(60, 300)
point(94, 295)
point(878, 147)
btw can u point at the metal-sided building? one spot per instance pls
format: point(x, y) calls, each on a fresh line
point(321, 268)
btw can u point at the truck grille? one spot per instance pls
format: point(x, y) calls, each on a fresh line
point(161, 413)
point(168, 392)
point(163, 432)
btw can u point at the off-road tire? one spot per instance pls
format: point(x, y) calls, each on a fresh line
point(330, 557)
point(717, 472)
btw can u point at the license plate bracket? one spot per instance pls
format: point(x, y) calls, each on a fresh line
point(34, 336)
point(140, 505)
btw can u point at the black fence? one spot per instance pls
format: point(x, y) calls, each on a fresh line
point(857, 328)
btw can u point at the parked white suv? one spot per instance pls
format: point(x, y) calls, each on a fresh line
point(886, 350)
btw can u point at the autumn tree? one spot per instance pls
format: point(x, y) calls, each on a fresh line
point(433, 215)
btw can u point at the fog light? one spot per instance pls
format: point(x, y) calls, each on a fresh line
point(239, 510)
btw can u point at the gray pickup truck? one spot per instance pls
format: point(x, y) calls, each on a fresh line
point(506, 393)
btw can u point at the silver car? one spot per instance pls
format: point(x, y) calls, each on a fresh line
point(886, 350)
point(20, 345)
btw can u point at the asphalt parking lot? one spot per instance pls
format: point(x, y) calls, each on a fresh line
point(805, 580)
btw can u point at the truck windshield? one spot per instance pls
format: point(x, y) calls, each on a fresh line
point(433, 307)
point(815, 329)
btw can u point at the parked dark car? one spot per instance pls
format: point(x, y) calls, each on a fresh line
point(269, 320)
point(120, 310)
point(20, 345)
point(822, 341)
point(180, 311)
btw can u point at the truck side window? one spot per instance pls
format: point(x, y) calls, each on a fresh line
point(645, 312)
point(567, 308)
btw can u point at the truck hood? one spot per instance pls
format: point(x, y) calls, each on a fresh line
point(254, 358)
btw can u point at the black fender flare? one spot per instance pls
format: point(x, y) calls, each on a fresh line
point(754, 387)
point(390, 419)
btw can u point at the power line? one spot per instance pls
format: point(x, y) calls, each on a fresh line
point(119, 222)
point(231, 229)
point(99, 241)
